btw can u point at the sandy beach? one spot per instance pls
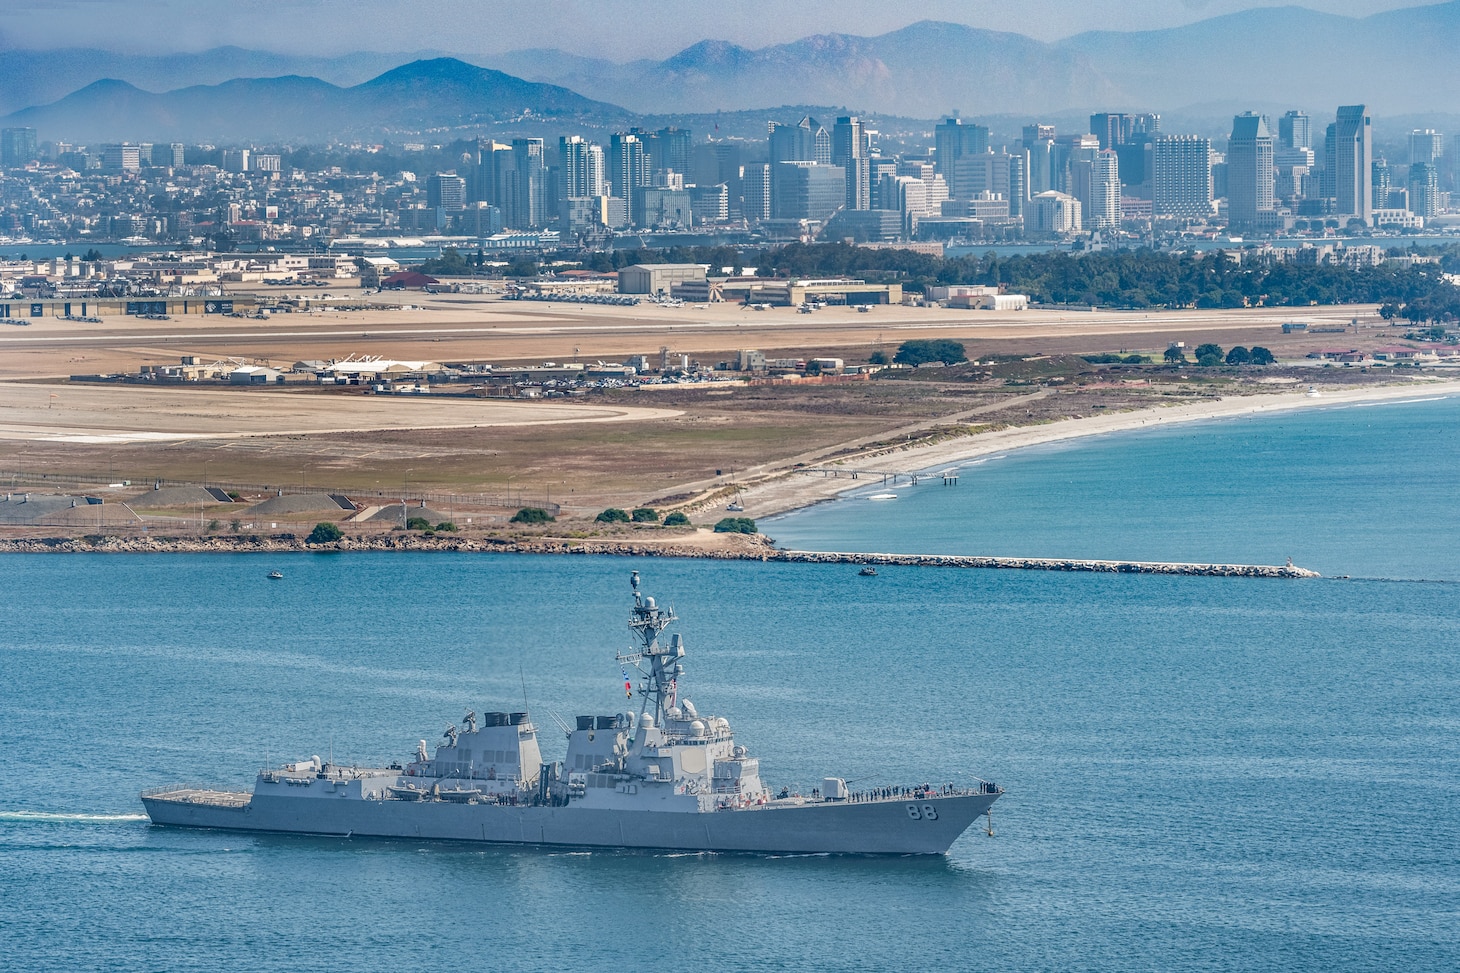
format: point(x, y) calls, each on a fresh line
point(788, 491)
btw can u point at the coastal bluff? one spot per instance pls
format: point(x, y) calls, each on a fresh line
point(751, 549)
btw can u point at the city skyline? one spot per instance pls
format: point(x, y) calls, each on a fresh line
point(611, 30)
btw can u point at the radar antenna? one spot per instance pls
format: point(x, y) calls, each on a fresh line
point(647, 621)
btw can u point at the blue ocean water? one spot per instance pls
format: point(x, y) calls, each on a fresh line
point(1202, 773)
point(1360, 490)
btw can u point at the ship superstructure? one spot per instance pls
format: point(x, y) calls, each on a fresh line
point(658, 775)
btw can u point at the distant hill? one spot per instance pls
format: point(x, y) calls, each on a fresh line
point(1395, 62)
point(1399, 63)
point(1402, 61)
point(922, 71)
point(432, 95)
point(40, 77)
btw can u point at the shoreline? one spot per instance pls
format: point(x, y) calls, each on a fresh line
point(792, 492)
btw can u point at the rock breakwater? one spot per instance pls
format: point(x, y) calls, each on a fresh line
point(751, 549)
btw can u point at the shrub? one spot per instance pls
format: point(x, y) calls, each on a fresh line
point(418, 523)
point(446, 527)
point(1207, 361)
point(1259, 355)
point(324, 533)
point(920, 351)
point(736, 525)
point(233, 495)
point(532, 515)
point(676, 519)
point(877, 358)
point(1238, 356)
point(1206, 351)
point(645, 515)
point(1136, 359)
point(613, 515)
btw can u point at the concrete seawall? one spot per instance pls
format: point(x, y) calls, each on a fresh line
point(751, 550)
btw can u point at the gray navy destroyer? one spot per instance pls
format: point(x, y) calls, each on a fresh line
point(662, 777)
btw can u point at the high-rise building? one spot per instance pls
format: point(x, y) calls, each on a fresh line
point(528, 209)
point(1380, 182)
point(1295, 131)
point(1102, 205)
point(672, 150)
point(1112, 129)
point(851, 149)
point(234, 160)
point(581, 168)
point(953, 139)
point(1181, 176)
point(1327, 184)
point(755, 181)
point(806, 141)
point(1004, 173)
point(446, 191)
point(177, 154)
point(1250, 183)
point(1037, 132)
point(123, 157)
point(629, 167)
point(807, 190)
point(17, 146)
point(1424, 189)
point(1353, 158)
point(1426, 146)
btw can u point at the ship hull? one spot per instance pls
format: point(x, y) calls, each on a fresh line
point(867, 828)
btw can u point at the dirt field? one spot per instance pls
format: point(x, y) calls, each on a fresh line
point(621, 448)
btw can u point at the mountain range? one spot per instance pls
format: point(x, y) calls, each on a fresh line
point(1401, 62)
point(428, 95)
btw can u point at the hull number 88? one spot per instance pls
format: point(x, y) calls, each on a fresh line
point(925, 812)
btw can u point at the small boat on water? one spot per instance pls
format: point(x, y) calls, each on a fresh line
point(867, 572)
point(276, 575)
point(883, 496)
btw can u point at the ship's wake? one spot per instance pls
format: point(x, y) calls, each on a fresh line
point(49, 817)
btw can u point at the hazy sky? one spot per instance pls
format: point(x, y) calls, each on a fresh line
point(614, 29)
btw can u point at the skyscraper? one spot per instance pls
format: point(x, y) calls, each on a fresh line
point(446, 191)
point(1426, 145)
point(17, 146)
point(1353, 157)
point(1424, 189)
point(582, 167)
point(1380, 182)
point(953, 139)
point(1295, 131)
point(806, 141)
point(851, 149)
point(675, 148)
point(628, 165)
point(1181, 176)
point(807, 190)
point(1249, 172)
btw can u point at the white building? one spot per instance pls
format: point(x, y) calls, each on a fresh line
point(1053, 214)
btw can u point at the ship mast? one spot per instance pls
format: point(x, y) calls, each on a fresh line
point(647, 621)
